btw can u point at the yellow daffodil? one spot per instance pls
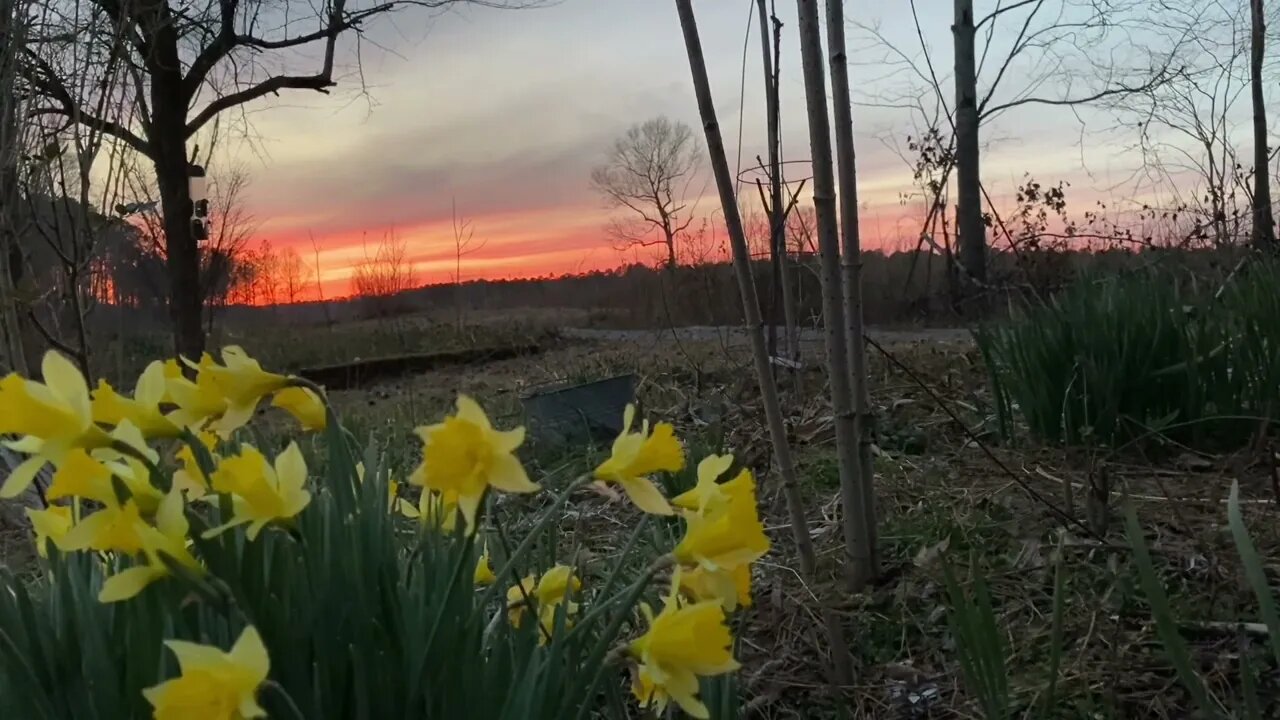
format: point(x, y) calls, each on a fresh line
point(304, 405)
point(465, 455)
point(261, 493)
point(243, 382)
point(81, 476)
point(548, 593)
point(113, 528)
point(51, 417)
point(731, 588)
point(86, 477)
point(708, 494)
point(190, 477)
point(484, 569)
point(143, 409)
point(172, 370)
point(636, 456)
point(51, 526)
point(168, 537)
point(681, 644)
point(719, 546)
point(213, 685)
point(199, 401)
point(436, 511)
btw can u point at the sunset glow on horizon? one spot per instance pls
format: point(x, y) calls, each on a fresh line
point(503, 114)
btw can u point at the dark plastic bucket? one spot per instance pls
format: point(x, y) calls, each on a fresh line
point(572, 413)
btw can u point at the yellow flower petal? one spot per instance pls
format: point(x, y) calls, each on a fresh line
point(249, 653)
point(707, 490)
point(484, 570)
point(63, 378)
point(508, 475)
point(214, 684)
point(21, 477)
point(304, 405)
point(51, 526)
point(128, 583)
point(645, 495)
point(682, 643)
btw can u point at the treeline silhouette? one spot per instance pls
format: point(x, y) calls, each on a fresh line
point(899, 288)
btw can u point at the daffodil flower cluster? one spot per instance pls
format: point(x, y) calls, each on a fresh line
point(464, 456)
point(132, 474)
point(108, 493)
point(723, 537)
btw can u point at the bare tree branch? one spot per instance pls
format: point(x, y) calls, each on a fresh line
point(43, 77)
point(1084, 100)
point(1001, 10)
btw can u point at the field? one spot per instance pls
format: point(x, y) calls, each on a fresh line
point(949, 490)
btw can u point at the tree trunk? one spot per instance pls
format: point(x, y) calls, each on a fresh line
point(1264, 229)
point(169, 151)
point(969, 225)
point(12, 353)
point(851, 267)
point(751, 311)
point(778, 215)
point(859, 566)
point(167, 137)
point(747, 287)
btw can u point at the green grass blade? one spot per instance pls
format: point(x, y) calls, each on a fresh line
point(1166, 626)
point(1253, 571)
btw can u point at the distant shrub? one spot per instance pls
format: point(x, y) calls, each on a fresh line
point(1150, 353)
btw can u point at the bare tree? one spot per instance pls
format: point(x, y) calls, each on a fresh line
point(867, 565)
point(1191, 128)
point(775, 207)
point(71, 172)
point(14, 145)
point(385, 273)
point(1264, 226)
point(318, 275)
point(225, 260)
point(464, 243)
point(1007, 55)
point(231, 227)
point(186, 65)
point(969, 222)
point(648, 172)
point(859, 565)
point(840, 658)
point(295, 275)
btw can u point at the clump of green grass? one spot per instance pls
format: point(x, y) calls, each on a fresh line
point(1114, 359)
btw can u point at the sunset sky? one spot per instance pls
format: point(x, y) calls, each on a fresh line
point(505, 113)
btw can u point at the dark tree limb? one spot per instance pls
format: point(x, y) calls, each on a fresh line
point(320, 82)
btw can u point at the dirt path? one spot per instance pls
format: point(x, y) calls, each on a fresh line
point(738, 335)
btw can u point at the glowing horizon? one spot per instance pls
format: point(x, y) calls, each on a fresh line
point(504, 113)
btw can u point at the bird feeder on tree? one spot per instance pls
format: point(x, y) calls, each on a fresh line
point(198, 187)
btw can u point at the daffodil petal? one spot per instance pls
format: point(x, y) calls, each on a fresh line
point(470, 410)
point(235, 417)
point(291, 467)
point(646, 496)
point(63, 378)
point(21, 477)
point(508, 475)
point(249, 652)
point(128, 583)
